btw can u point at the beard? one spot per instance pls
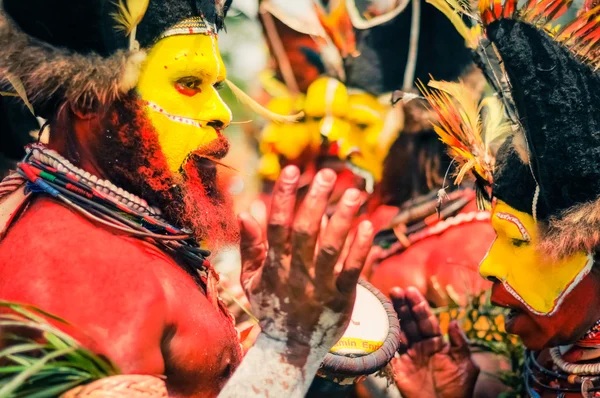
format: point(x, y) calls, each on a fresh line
point(196, 198)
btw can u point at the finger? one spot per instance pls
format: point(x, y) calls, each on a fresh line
point(398, 298)
point(324, 222)
point(404, 344)
point(307, 222)
point(253, 247)
point(357, 255)
point(252, 243)
point(459, 345)
point(282, 209)
point(427, 322)
point(335, 236)
point(408, 324)
point(339, 265)
point(258, 210)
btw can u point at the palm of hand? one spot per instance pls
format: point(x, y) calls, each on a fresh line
point(430, 367)
point(291, 279)
point(437, 376)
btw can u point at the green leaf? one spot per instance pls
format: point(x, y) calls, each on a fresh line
point(18, 307)
point(18, 381)
point(21, 360)
point(55, 391)
point(17, 349)
point(11, 369)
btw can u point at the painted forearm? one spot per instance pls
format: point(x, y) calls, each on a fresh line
point(274, 368)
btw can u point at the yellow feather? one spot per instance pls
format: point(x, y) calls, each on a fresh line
point(452, 9)
point(496, 126)
point(459, 125)
point(259, 109)
point(130, 14)
point(20, 91)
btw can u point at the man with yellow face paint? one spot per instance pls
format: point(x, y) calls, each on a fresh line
point(110, 226)
point(543, 191)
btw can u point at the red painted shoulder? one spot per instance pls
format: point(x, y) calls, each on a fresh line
point(100, 282)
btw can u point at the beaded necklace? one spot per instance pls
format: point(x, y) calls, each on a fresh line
point(47, 172)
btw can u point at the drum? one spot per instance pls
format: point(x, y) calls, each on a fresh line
point(367, 346)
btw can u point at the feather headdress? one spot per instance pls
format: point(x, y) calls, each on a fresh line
point(469, 128)
point(581, 35)
point(453, 9)
point(129, 16)
point(547, 77)
point(338, 26)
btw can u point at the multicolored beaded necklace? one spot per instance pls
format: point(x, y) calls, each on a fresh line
point(567, 377)
point(47, 172)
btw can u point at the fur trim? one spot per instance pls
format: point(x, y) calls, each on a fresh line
point(576, 229)
point(53, 76)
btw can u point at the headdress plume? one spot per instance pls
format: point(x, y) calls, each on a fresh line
point(129, 16)
point(468, 134)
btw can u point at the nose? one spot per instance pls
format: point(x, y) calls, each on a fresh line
point(216, 111)
point(492, 267)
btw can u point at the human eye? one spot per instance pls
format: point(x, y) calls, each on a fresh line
point(519, 242)
point(189, 85)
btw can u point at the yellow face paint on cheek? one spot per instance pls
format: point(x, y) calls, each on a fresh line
point(177, 84)
point(530, 276)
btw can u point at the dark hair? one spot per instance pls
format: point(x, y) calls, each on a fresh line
point(415, 165)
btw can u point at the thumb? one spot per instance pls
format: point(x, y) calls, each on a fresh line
point(258, 210)
point(253, 247)
point(459, 345)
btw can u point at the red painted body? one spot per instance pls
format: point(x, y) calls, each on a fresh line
point(453, 257)
point(123, 297)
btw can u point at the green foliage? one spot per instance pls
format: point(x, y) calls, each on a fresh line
point(46, 365)
point(483, 323)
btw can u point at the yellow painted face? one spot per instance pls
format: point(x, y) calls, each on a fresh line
point(367, 144)
point(289, 140)
point(179, 85)
point(530, 276)
point(326, 108)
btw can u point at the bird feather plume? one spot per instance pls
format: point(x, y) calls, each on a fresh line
point(338, 26)
point(259, 109)
point(20, 91)
point(581, 35)
point(495, 125)
point(130, 14)
point(453, 10)
point(459, 125)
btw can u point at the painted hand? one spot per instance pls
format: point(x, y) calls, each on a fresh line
point(430, 367)
point(300, 282)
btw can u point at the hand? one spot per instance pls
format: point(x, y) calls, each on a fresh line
point(295, 288)
point(430, 367)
